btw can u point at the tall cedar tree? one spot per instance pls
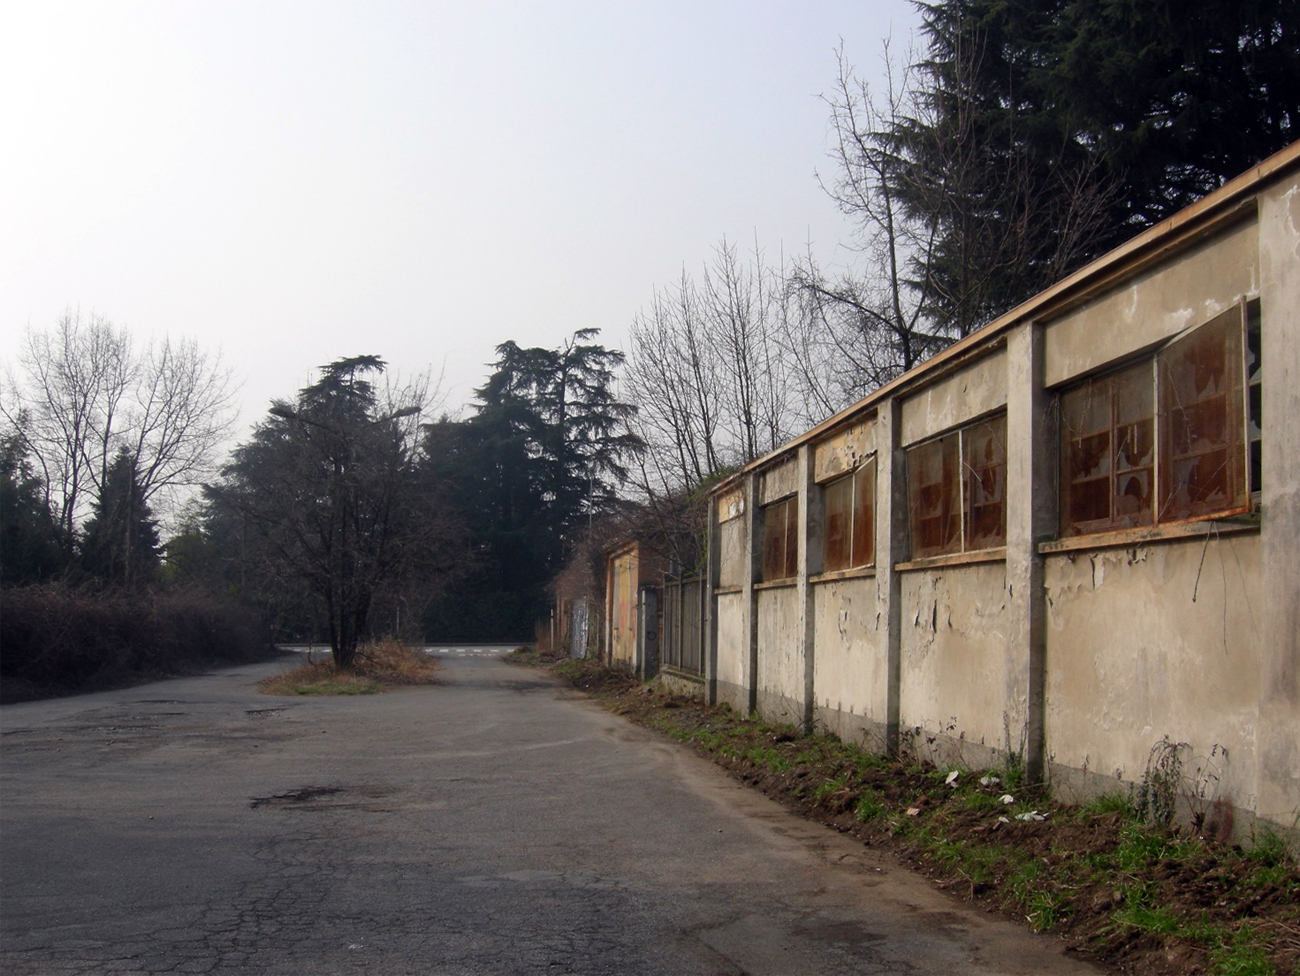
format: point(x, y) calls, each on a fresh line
point(1134, 108)
point(327, 496)
point(544, 453)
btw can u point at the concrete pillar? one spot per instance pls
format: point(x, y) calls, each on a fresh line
point(712, 578)
point(1278, 730)
point(754, 547)
point(1031, 516)
point(810, 563)
point(891, 549)
point(648, 632)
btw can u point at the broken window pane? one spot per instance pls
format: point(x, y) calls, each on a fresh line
point(864, 515)
point(838, 500)
point(780, 540)
point(984, 455)
point(791, 538)
point(934, 501)
point(1254, 394)
point(849, 542)
point(1203, 452)
point(1108, 452)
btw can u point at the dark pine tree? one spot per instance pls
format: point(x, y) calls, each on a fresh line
point(1049, 131)
point(30, 549)
point(120, 544)
point(544, 454)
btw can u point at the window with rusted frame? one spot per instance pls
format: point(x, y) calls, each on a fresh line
point(984, 481)
point(1171, 438)
point(956, 487)
point(849, 504)
point(934, 490)
point(1202, 427)
point(781, 540)
point(1108, 452)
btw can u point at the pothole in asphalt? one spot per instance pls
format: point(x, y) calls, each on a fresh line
point(326, 798)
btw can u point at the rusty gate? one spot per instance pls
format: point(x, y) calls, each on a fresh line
point(681, 640)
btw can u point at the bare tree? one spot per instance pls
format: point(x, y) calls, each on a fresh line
point(82, 392)
point(710, 371)
point(954, 226)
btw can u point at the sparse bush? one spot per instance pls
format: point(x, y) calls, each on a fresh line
point(378, 665)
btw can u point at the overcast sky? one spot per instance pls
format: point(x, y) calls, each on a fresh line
point(291, 183)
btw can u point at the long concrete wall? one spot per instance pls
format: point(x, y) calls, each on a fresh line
point(1079, 655)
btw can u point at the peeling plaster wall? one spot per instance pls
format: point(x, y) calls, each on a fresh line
point(850, 666)
point(958, 683)
point(978, 389)
point(733, 553)
point(843, 452)
point(780, 655)
point(733, 655)
point(779, 482)
point(1131, 658)
point(1279, 677)
point(1188, 289)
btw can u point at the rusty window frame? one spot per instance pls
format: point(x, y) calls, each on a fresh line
point(984, 484)
point(956, 488)
point(849, 524)
point(1108, 452)
point(781, 539)
point(1202, 425)
point(1192, 454)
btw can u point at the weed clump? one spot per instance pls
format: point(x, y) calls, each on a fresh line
point(379, 665)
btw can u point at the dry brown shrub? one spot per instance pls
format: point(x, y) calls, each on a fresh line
point(378, 666)
point(391, 662)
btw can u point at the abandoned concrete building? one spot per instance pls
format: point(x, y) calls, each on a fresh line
point(1071, 537)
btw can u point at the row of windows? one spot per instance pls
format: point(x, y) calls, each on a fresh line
point(1173, 437)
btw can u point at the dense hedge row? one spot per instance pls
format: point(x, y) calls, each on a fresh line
point(52, 637)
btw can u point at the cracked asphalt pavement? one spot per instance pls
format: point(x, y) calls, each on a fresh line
point(497, 823)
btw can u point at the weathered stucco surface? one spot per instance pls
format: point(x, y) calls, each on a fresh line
point(978, 389)
point(850, 666)
point(958, 684)
point(733, 656)
point(1279, 675)
point(844, 451)
point(1151, 642)
point(733, 552)
point(780, 655)
point(778, 482)
point(1184, 291)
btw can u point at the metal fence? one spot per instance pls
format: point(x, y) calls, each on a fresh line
point(681, 640)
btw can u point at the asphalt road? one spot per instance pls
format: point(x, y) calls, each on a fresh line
point(498, 823)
